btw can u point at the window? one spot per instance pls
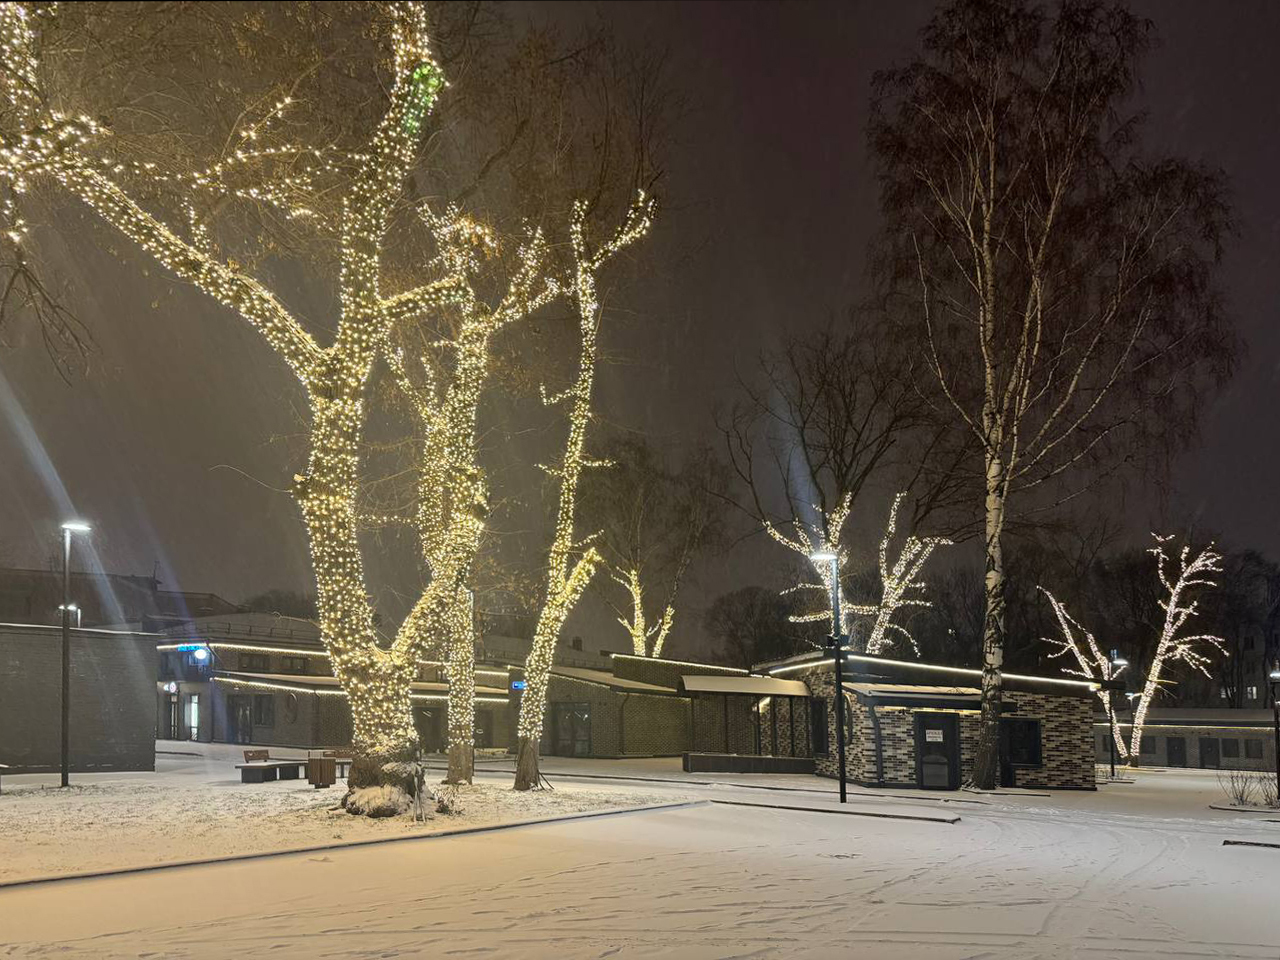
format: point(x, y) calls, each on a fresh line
point(1022, 741)
point(576, 643)
point(193, 716)
point(291, 708)
point(166, 666)
point(1148, 746)
point(294, 665)
point(1253, 749)
point(264, 710)
point(1230, 748)
point(1251, 692)
point(1222, 693)
point(818, 727)
point(254, 662)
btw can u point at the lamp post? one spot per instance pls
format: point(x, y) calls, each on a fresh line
point(1114, 664)
point(1274, 678)
point(837, 651)
point(67, 530)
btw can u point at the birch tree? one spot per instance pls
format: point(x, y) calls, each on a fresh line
point(1062, 281)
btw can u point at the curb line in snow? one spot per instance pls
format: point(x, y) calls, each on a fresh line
point(847, 813)
point(765, 786)
point(1250, 843)
point(1230, 809)
point(366, 842)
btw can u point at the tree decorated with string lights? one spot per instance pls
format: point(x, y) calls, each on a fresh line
point(1183, 581)
point(571, 562)
point(900, 584)
point(375, 672)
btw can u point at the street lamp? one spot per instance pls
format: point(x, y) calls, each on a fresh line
point(1274, 677)
point(1114, 665)
point(73, 526)
point(837, 651)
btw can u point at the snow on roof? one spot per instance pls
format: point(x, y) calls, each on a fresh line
point(754, 686)
point(607, 679)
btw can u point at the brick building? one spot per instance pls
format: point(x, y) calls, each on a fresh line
point(1223, 739)
point(112, 725)
point(911, 724)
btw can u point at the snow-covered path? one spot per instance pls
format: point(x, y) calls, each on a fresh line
point(702, 882)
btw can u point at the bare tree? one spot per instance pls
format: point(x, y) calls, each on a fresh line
point(653, 522)
point(1064, 283)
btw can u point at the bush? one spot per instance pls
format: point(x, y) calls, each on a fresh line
point(1239, 786)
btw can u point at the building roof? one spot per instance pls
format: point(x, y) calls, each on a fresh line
point(608, 680)
point(751, 686)
point(305, 682)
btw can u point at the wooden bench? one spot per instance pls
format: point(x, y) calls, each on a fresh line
point(258, 767)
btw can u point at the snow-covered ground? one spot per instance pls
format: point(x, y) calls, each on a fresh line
point(699, 883)
point(1133, 871)
point(196, 808)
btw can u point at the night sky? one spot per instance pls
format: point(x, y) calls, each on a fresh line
point(171, 444)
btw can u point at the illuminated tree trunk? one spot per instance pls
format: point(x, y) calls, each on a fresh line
point(462, 694)
point(566, 581)
point(376, 682)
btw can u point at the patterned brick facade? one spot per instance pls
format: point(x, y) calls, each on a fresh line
point(1067, 751)
point(623, 723)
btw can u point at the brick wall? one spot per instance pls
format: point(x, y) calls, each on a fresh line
point(113, 683)
point(784, 724)
point(709, 724)
point(1065, 732)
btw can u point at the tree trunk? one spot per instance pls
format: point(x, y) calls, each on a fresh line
point(528, 776)
point(986, 765)
point(462, 693)
point(377, 685)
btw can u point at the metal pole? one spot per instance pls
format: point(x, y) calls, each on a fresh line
point(66, 654)
point(1275, 707)
point(1111, 709)
point(837, 647)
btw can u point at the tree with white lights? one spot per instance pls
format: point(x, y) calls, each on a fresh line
point(1090, 661)
point(1183, 581)
point(571, 563)
point(375, 673)
point(653, 520)
point(901, 585)
point(452, 495)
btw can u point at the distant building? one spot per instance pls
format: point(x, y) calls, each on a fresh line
point(104, 599)
point(112, 723)
point(1222, 739)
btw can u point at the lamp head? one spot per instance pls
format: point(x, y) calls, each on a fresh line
point(823, 556)
point(76, 526)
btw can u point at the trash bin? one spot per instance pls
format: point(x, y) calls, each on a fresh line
point(322, 771)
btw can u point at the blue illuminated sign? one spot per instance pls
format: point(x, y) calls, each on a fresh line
point(517, 684)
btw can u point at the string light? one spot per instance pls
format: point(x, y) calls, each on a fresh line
point(1193, 572)
point(822, 541)
point(901, 584)
point(565, 579)
point(1089, 658)
point(335, 377)
point(637, 629)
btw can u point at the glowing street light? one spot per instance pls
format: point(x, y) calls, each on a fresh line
point(837, 651)
point(68, 528)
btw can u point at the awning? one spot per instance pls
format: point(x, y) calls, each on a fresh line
point(751, 686)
